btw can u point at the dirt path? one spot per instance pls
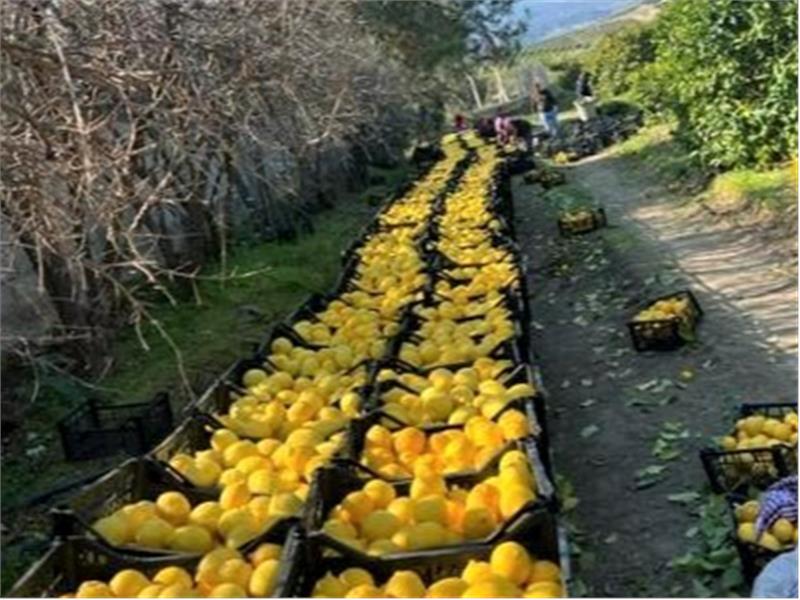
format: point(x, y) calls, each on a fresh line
point(610, 405)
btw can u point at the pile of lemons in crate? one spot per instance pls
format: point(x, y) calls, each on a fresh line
point(424, 340)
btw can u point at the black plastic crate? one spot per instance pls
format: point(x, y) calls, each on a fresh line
point(98, 429)
point(753, 557)
point(541, 535)
point(134, 480)
point(665, 334)
point(595, 219)
point(332, 484)
point(735, 470)
point(72, 560)
point(193, 435)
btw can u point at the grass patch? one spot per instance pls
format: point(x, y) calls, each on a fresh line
point(570, 196)
point(773, 190)
point(657, 151)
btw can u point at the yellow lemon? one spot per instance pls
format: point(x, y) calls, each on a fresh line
point(493, 588)
point(451, 587)
point(381, 547)
point(364, 591)
point(544, 570)
point(235, 495)
point(478, 523)
point(265, 552)
point(430, 508)
point(358, 505)
point(355, 576)
point(402, 508)
point(405, 584)
point(228, 590)
point(783, 530)
point(128, 583)
point(154, 533)
point(380, 524)
point(206, 515)
point(511, 560)
point(747, 512)
point(114, 529)
point(380, 492)
point(747, 532)
point(151, 591)
point(544, 589)
point(513, 498)
point(409, 440)
point(93, 589)
point(192, 539)
point(329, 587)
point(264, 579)
point(222, 438)
point(173, 575)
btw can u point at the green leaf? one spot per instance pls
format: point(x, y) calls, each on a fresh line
point(684, 497)
point(589, 431)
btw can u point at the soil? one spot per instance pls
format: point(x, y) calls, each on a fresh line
point(608, 404)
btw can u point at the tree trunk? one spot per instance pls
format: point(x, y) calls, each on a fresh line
point(475, 94)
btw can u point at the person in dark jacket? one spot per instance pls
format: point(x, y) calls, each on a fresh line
point(546, 106)
point(523, 131)
point(583, 86)
point(485, 128)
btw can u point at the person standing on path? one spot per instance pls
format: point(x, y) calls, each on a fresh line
point(584, 102)
point(546, 106)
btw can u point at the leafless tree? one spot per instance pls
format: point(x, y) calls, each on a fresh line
point(126, 121)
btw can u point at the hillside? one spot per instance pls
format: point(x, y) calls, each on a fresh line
point(584, 34)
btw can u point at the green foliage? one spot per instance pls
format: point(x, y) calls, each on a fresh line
point(615, 60)
point(712, 562)
point(772, 189)
point(729, 73)
point(725, 71)
point(427, 34)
